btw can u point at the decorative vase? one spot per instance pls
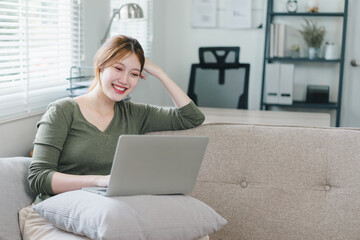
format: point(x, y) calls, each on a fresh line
point(294, 54)
point(331, 51)
point(313, 6)
point(314, 53)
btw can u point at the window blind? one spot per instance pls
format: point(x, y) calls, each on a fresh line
point(141, 29)
point(39, 42)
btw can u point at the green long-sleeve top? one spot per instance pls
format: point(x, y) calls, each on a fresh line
point(66, 142)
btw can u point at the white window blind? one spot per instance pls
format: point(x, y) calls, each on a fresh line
point(141, 29)
point(39, 42)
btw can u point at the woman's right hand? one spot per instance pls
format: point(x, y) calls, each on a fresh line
point(102, 181)
point(62, 182)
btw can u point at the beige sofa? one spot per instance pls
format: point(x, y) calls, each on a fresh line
point(269, 182)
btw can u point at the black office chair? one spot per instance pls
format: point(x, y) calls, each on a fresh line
point(219, 80)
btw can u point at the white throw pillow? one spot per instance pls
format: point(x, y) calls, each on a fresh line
point(132, 217)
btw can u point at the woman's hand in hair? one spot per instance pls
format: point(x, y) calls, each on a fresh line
point(152, 69)
point(176, 93)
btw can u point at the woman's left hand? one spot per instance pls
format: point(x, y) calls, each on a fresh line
point(176, 93)
point(151, 68)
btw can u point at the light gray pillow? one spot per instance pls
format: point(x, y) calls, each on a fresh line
point(132, 217)
point(14, 194)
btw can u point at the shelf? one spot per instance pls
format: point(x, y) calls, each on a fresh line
point(81, 77)
point(337, 14)
point(305, 14)
point(301, 104)
point(290, 59)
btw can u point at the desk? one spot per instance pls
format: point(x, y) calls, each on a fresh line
point(265, 117)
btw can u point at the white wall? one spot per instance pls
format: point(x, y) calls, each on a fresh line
point(176, 43)
point(96, 17)
point(350, 114)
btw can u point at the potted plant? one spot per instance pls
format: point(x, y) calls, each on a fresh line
point(295, 50)
point(313, 36)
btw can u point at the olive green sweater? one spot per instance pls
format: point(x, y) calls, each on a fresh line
point(66, 142)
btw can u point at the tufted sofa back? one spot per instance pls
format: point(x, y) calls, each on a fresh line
point(269, 182)
point(274, 182)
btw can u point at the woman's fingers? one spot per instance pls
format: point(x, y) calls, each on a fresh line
point(143, 76)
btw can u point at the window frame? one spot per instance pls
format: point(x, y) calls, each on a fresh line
point(29, 32)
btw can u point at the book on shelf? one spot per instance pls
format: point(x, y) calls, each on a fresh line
point(272, 40)
point(282, 37)
point(281, 40)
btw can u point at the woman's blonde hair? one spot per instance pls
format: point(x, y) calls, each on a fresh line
point(114, 49)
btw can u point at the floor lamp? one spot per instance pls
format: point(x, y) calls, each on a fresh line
point(126, 11)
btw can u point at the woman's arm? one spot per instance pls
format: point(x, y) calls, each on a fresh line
point(62, 182)
point(44, 177)
point(176, 93)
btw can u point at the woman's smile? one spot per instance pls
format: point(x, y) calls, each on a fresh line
point(121, 78)
point(119, 89)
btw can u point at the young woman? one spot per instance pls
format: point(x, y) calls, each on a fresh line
point(76, 138)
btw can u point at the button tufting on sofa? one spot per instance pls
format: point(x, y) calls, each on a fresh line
point(327, 188)
point(244, 184)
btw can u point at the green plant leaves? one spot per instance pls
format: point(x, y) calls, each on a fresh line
point(312, 33)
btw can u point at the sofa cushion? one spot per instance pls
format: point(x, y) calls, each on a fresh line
point(131, 217)
point(267, 181)
point(15, 194)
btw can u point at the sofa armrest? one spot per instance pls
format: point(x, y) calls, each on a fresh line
point(14, 194)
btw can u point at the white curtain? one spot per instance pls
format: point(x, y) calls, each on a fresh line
point(39, 42)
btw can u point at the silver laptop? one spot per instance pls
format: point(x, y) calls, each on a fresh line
point(154, 164)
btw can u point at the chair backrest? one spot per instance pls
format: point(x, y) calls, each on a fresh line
point(219, 55)
point(219, 80)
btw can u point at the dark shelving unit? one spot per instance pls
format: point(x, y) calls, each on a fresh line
point(290, 59)
point(302, 104)
point(303, 14)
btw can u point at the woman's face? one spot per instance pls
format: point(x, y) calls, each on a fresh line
point(121, 78)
